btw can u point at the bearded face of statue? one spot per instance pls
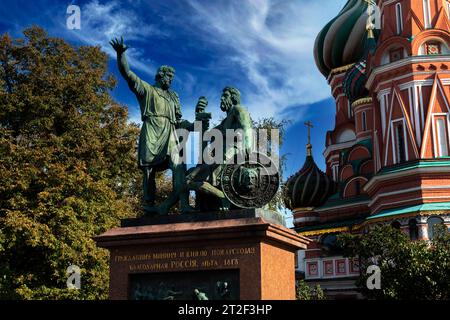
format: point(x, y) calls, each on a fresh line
point(249, 180)
point(226, 102)
point(166, 79)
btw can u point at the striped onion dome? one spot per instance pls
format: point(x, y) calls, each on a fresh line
point(354, 83)
point(341, 42)
point(309, 187)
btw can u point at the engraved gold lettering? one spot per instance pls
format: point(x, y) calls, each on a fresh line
point(183, 264)
point(231, 262)
point(209, 263)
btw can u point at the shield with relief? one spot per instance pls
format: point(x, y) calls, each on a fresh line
point(250, 182)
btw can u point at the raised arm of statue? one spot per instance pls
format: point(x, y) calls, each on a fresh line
point(134, 82)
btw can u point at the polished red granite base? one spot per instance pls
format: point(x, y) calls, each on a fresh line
point(261, 253)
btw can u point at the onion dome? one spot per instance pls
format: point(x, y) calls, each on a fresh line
point(342, 41)
point(310, 187)
point(354, 83)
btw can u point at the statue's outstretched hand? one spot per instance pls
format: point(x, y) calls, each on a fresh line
point(118, 45)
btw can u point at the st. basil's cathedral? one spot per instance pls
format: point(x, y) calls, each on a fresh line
point(388, 157)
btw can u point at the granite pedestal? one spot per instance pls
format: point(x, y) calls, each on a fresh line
point(246, 255)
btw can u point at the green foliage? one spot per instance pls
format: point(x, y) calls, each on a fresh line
point(270, 124)
point(67, 166)
point(305, 292)
point(409, 269)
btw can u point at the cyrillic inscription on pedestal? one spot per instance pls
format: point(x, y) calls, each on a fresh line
point(180, 260)
point(246, 258)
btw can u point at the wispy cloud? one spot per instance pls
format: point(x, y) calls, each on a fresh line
point(272, 42)
point(264, 47)
point(103, 21)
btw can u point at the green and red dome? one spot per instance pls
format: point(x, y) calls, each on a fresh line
point(343, 40)
point(310, 187)
point(354, 83)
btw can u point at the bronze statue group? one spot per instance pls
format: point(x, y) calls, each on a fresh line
point(159, 141)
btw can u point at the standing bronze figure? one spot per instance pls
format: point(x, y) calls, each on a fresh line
point(158, 141)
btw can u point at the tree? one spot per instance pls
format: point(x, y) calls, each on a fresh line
point(270, 124)
point(67, 166)
point(305, 292)
point(409, 269)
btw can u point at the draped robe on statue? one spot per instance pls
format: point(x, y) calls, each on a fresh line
point(160, 111)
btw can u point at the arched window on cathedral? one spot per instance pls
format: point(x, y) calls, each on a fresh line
point(441, 135)
point(448, 9)
point(399, 18)
point(427, 13)
point(399, 136)
point(335, 171)
point(364, 121)
point(435, 46)
point(394, 53)
point(345, 136)
point(349, 110)
point(432, 223)
point(413, 229)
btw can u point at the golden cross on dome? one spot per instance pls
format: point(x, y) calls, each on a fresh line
point(309, 125)
point(309, 146)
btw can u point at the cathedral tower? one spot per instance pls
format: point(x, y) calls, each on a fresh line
point(387, 63)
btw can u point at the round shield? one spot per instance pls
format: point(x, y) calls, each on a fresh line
point(250, 182)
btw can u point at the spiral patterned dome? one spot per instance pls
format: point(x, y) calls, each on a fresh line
point(354, 83)
point(310, 187)
point(342, 41)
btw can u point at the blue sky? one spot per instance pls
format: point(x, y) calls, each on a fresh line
point(262, 47)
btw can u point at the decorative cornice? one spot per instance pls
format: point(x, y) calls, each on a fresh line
point(338, 146)
point(305, 219)
point(404, 62)
point(437, 168)
point(340, 70)
point(342, 206)
point(407, 215)
point(402, 191)
point(410, 84)
point(317, 232)
point(362, 101)
point(369, 221)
